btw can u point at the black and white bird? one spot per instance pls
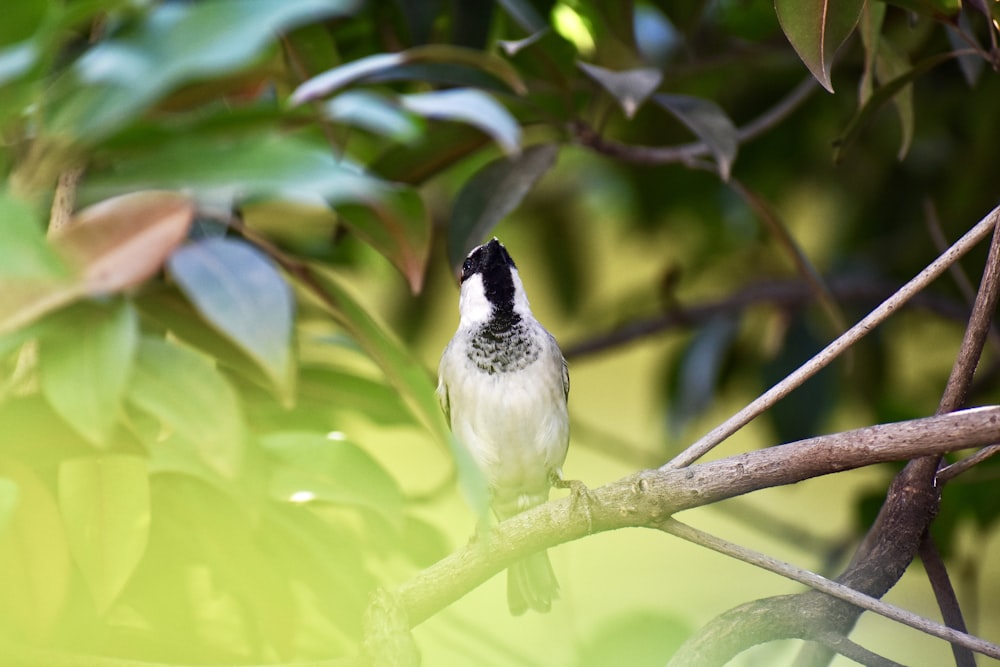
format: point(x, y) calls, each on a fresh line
point(503, 383)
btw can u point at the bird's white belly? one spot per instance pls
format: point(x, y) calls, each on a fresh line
point(515, 425)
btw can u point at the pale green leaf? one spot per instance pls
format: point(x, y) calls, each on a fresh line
point(630, 88)
point(35, 564)
point(469, 106)
point(105, 506)
point(185, 392)
point(709, 123)
point(84, 369)
point(335, 471)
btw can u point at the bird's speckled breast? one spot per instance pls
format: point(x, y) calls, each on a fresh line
point(503, 346)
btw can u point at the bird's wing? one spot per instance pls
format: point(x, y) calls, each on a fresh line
point(443, 398)
point(565, 374)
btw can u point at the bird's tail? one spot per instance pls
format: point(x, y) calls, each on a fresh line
point(531, 584)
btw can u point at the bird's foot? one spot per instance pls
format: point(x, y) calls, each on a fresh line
point(581, 497)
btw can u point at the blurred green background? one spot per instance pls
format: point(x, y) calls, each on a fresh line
point(227, 234)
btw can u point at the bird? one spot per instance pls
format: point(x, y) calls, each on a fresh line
point(503, 384)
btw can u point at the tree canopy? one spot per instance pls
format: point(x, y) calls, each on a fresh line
point(228, 237)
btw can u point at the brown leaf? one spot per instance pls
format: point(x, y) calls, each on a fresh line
point(123, 241)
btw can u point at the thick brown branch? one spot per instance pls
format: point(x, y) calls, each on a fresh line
point(647, 498)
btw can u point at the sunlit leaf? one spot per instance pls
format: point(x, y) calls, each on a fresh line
point(709, 123)
point(630, 88)
point(491, 194)
point(121, 242)
point(34, 558)
point(469, 106)
point(381, 64)
point(8, 501)
point(816, 29)
point(317, 468)
point(105, 506)
point(398, 225)
point(173, 44)
point(239, 291)
point(187, 394)
point(407, 375)
point(85, 367)
point(375, 113)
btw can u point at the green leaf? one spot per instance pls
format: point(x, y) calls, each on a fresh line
point(187, 394)
point(696, 376)
point(491, 194)
point(709, 123)
point(437, 149)
point(469, 106)
point(382, 64)
point(398, 225)
point(816, 29)
point(35, 280)
point(889, 65)
point(630, 88)
point(9, 494)
point(317, 468)
point(35, 565)
point(85, 367)
point(238, 290)
point(105, 506)
point(173, 44)
point(524, 14)
point(406, 374)
point(375, 113)
point(880, 98)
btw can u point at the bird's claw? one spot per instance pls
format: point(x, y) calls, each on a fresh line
point(581, 496)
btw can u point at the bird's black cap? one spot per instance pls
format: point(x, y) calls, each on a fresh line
point(492, 261)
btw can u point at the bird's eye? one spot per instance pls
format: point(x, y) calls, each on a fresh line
point(466, 269)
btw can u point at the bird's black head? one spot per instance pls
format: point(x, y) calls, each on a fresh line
point(494, 264)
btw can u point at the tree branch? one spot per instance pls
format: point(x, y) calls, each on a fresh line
point(838, 346)
point(647, 498)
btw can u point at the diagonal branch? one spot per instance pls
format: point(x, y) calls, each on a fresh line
point(647, 498)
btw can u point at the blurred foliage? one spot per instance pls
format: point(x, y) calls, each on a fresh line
point(188, 186)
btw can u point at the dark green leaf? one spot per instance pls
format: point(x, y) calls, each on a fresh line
point(491, 194)
point(105, 507)
point(889, 65)
point(709, 123)
point(238, 290)
point(360, 70)
point(880, 98)
point(816, 29)
point(696, 375)
point(85, 367)
point(187, 394)
point(335, 471)
point(437, 149)
point(524, 14)
point(469, 106)
point(630, 88)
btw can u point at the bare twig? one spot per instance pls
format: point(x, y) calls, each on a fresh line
point(785, 294)
point(952, 471)
point(837, 347)
point(828, 586)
